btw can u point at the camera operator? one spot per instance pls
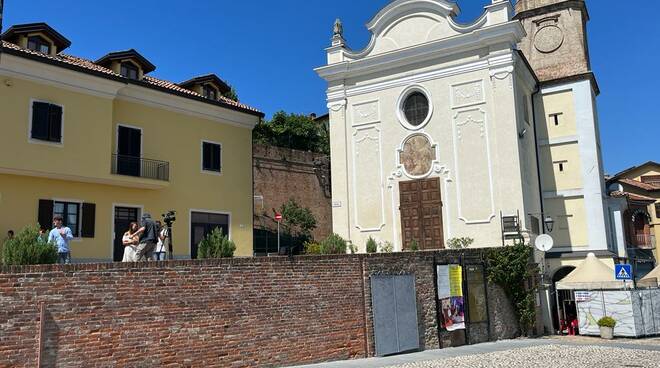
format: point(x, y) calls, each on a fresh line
point(148, 233)
point(160, 253)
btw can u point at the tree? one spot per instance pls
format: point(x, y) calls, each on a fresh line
point(295, 131)
point(231, 94)
point(216, 245)
point(300, 220)
point(26, 248)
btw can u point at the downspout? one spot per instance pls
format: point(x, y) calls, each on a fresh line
point(538, 161)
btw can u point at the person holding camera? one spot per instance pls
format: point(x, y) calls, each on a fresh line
point(160, 253)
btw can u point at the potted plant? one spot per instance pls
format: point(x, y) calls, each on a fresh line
point(606, 325)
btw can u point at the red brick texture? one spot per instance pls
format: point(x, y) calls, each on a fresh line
point(281, 174)
point(252, 312)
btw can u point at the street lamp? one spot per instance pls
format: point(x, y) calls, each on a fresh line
point(549, 223)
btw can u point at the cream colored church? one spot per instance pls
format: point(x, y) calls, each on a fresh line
point(486, 130)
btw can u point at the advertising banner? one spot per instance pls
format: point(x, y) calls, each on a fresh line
point(450, 295)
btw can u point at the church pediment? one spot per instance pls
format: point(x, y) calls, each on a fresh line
point(406, 23)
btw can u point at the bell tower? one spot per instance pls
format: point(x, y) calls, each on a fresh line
point(556, 42)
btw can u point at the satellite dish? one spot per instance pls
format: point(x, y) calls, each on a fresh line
point(544, 242)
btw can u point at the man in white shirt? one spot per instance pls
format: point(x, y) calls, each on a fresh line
point(61, 236)
point(160, 253)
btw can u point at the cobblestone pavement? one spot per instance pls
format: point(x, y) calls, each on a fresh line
point(550, 356)
point(547, 352)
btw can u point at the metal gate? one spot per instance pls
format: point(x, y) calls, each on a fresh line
point(395, 314)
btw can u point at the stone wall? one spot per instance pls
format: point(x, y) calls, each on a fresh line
point(281, 174)
point(250, 312)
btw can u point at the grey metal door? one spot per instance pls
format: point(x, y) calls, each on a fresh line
point(394, 314)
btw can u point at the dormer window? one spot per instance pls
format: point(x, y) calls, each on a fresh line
point(39, 37)
point(210, 92)
point(129, 64)
point(38, 43)
point(129, 70)
point(208, 86)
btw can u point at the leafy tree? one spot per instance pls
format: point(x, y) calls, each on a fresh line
point(26, 249)
point(231, 94)
point(459, 243)
point(299, 220)
point(216, 245)
point(295, 131)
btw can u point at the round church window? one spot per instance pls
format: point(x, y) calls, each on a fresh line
point(414, 108)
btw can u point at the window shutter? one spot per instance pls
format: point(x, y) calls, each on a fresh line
point(88, 220)
point(45, 216)
point(55, 123)
point(40, 118)
point(207, 156)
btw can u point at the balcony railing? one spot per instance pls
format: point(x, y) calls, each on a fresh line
point(643, 241)
point(140, 167)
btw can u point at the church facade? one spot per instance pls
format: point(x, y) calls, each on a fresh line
point(488, 130)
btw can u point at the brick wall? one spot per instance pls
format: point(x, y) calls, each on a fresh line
point(253, 312)
point(281, 174)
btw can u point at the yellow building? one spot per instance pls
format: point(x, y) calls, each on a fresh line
point(635, 210)
point(103, 142)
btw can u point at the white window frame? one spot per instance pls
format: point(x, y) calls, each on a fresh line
point(131, 127)
point(59, 144)
point(401, 101)
point(140, 209)
point(190, 211)
point(201, 163)
point(80, 202)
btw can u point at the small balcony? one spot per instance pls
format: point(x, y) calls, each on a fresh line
point(643, 241)
point(140, 167)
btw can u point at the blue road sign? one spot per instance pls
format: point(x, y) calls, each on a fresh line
point(623, 272)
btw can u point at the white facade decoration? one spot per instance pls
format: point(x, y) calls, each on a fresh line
point(483, 143)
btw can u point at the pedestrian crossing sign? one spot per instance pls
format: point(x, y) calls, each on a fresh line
point(623, 272)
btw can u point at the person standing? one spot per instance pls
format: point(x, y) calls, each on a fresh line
point(43, 235)
point(130, 240)
point(161, 246)
point(148, 238)
point(61, 236)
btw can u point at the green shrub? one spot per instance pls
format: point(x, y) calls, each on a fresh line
point(352, 247)
point(387, 247)
point(26, 249)
point(607, 322)
point(216, 245)
point(334, 244)
point(372, 246)
point(459, 243)
point(313, 248)
point(414, 246)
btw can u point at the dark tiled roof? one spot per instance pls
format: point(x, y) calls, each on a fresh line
point(84, 65)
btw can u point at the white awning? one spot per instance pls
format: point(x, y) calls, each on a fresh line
point(591, 274)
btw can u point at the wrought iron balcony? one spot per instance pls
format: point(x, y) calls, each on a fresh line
point(643, 241)
point(140, 167)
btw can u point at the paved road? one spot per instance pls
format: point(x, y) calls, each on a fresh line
point(566, 352)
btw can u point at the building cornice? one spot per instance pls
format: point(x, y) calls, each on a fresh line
point(110, 77)
point(90, 84)
point(509, 33)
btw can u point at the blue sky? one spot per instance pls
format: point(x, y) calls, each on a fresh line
point(268, 49)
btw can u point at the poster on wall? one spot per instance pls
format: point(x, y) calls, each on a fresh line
point(450, 295)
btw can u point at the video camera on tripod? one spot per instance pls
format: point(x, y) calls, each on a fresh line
point(169, 218)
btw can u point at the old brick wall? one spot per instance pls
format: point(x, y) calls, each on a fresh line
point(252, 312)
point(281, 174)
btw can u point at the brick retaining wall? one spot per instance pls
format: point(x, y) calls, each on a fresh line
point(252, 312)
